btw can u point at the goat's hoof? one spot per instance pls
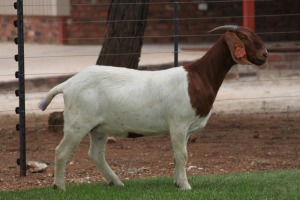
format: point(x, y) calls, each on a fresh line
point(111, 183)
point(184, 186)
point(56, 187)
point(117, 183)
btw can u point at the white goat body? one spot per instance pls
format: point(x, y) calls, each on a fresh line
point(119, 100)
point(103, 101)
point(107, 101)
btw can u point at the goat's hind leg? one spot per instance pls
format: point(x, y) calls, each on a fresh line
point(97, 154)
point(63, 151)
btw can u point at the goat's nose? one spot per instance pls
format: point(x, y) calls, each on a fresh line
point(265, 54)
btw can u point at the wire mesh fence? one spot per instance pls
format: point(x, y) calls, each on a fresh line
point(57, 57)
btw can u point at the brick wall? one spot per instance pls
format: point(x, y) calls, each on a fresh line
point(7, 32)
point(86, 24)
point(36, 29)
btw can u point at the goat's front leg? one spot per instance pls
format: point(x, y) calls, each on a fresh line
point(97, 154)
point(179, 144)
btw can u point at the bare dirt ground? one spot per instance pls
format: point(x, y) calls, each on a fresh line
point(230, 143)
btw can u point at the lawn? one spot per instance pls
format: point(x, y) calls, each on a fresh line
point(258, 185)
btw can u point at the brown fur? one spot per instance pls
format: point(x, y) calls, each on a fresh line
point(206, 75)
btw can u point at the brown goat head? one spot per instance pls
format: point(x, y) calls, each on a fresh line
point(245, 46)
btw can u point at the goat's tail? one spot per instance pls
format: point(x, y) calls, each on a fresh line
point(51, 94)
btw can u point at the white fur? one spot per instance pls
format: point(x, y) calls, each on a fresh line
point(107, 101)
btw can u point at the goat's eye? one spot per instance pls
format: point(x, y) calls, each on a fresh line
point(242, 36)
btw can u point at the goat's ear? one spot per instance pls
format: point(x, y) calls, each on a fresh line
point(237, 48)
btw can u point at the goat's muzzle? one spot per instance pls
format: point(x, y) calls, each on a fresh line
point(261, 57)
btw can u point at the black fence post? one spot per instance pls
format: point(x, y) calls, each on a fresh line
point(20, 74)
point(175, 5)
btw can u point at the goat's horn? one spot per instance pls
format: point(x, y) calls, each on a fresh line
point(225, 27)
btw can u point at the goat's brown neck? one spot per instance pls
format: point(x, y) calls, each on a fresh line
point(206, 75)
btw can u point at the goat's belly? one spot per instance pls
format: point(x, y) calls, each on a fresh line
point(124, 130)
point(142, 125)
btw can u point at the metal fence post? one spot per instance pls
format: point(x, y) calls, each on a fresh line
point(20, 74)
point(175, 4)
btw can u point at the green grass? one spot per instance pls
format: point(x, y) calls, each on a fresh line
point(259, 185)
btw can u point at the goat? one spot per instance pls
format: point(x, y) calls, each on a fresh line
point(105, 100)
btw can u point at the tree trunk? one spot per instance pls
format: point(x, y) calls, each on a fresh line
point(123, 41)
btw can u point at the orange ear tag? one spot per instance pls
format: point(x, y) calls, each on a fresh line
point(239, 52)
